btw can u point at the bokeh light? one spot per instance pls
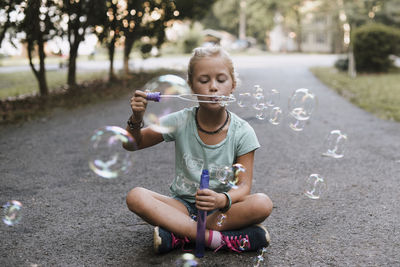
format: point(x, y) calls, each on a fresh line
point(12, 212)
point(107, 157)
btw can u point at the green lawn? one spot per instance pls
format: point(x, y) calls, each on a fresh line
point(24, 82)
point(376, 93)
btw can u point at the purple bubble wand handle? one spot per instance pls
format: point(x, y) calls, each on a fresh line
point(201, 219)
point(153, 96)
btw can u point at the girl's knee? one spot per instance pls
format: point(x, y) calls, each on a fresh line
point(263, 205)
point(134, 197)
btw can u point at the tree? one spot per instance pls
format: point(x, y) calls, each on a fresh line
point(79, 15)
point(37, 25)
point(10, 10)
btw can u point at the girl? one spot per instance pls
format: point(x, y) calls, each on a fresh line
point(211, 134)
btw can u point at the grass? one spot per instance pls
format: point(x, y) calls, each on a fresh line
point(90, 90)
point(24, 82)
point(376, 93)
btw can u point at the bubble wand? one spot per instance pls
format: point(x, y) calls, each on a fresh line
point(201, 219)
point(157, 96)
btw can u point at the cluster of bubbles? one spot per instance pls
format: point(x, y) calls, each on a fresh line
point(263, 102)
point(107, 157)
point(186, 260)
point(12, 212)
point(301, 105)
point(259, 260)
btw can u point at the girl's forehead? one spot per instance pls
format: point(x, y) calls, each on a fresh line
point(209, 64)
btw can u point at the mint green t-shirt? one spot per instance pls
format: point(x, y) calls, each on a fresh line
point(192, 155)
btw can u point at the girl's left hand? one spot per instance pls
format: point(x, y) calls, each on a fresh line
point(207, 199)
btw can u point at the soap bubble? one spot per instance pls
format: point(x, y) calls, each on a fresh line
point(245, 100)
point(12, 212)
point(258, 90)
point(295, 124)
point(167, 85)
point(259, 103)
point(302, 103)
point(262, 113)
point(186, 260)
point(259, 260)
point(275, 116)
point(244, 244)
point(230, 175)
point(335, 144)
point(315, 186)
point(107, 157)
point(221, 219)
point(272, 97)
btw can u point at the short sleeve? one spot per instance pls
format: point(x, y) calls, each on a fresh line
point(173, 123)
point(247, 140)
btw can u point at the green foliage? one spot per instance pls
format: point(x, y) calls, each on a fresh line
point(342, 64)
point(372, 45)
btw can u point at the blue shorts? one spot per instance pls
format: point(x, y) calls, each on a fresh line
point(191, 207)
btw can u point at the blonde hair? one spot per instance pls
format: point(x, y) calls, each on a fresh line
point(213, 51)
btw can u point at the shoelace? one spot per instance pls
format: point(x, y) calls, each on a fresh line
point(179, 241)
point(233, 243)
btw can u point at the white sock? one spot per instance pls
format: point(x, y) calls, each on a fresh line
point(214, 239)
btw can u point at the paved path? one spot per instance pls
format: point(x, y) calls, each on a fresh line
point(73, 218)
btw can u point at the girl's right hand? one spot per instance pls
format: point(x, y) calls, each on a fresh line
point(138, 105)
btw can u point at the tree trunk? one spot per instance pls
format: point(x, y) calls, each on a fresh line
point(39, 75)
point(111, 50)
point(127, 50)
point(44, 91)
point(73, 55)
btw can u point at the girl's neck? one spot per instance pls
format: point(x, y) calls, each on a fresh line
point(211, 118)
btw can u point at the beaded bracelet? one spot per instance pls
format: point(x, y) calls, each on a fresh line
point(135, 125)
point(227, 207)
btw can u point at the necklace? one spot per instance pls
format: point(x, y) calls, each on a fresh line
point(213, 132)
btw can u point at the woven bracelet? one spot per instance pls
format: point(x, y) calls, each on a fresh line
point(227, 207)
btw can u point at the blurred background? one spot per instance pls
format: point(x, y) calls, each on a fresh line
point(57, 45)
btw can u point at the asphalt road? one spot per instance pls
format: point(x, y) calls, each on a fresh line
point(71, 217)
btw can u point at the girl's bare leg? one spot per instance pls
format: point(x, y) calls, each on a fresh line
point(172, 215)
point(160, 210)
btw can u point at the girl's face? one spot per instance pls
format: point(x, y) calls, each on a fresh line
point(211, 76)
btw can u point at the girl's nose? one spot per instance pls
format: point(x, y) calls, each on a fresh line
point(213, 86)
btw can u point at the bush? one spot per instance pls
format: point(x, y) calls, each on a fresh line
point(372, 46)
point(342, 64)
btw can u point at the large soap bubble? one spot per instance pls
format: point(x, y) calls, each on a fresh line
point(167, 85)
point(335, 144)
point(107, 157)
point(302, 104)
